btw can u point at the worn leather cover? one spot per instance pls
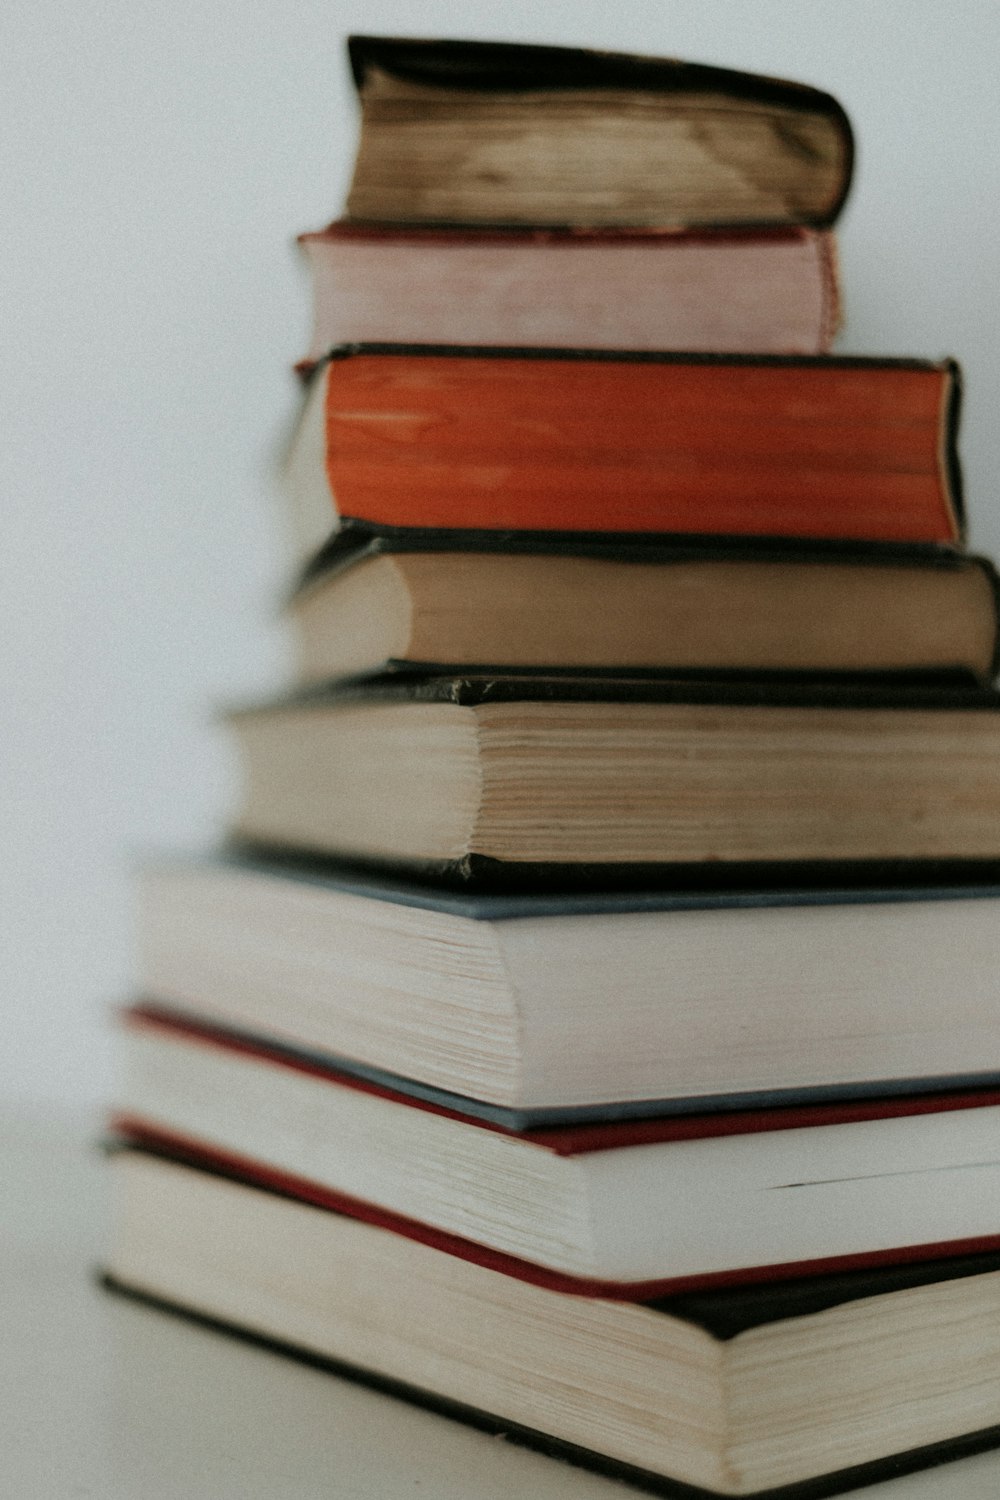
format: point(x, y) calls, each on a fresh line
point(512, 67)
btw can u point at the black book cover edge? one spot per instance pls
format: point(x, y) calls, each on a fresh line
point(376, 883)
point(558, 234)
point(641, 1479)
point(567, 686)
point(487, 66)
point(903, 679)
point(484, 874)
point(354, 541)
point(565, 354)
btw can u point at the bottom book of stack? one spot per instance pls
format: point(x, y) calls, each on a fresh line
point(695, 1189)
point(791, 1387)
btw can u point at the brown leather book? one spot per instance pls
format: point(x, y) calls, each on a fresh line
point(496, 132)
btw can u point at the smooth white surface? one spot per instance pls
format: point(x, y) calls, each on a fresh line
point(106, 1399)
point(155, 163)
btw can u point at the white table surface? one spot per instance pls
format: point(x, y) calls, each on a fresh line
point(102, 1398)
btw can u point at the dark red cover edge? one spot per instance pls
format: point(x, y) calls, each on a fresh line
point(584, 236)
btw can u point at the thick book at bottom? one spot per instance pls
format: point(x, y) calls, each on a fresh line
point(801, 1388)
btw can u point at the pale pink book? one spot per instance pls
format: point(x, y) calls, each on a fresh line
point(710, 291)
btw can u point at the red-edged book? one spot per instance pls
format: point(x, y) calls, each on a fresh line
point(744, 291)
point(631, 1209)
point(461, 438)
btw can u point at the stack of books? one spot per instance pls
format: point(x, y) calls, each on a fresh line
point(593, 1027)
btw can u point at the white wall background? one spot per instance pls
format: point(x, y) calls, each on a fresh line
point(155, 162)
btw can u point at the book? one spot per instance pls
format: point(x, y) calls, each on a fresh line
point(514, 778)
point(750, 291)
point(794, 1389)
point(403, 600)
point(568, 1006)
point(496, 132)
point(631, 1209)
point(502, 439)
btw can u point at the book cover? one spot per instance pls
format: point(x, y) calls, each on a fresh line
point(816, 1349)
point(726, 782)
point(706, 144)
point(506, 439)
point(401, 601)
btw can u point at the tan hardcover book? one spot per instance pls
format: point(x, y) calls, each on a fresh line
point(378, 603)
point(526, 773)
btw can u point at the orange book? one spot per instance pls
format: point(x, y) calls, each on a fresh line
point(459, 438)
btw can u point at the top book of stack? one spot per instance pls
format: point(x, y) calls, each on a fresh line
point(553, 197)
point(473, 133)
